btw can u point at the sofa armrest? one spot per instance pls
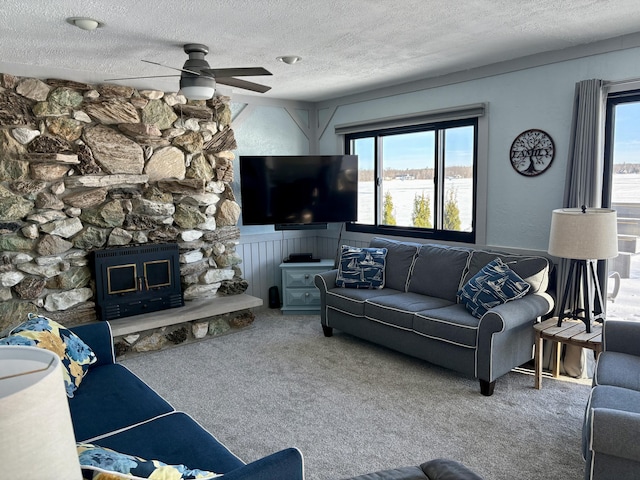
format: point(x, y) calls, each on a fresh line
point(516, 312)
point(621, 336)
point(277, 466)
point(615, 433)
point(98, 337)
point(326, 280)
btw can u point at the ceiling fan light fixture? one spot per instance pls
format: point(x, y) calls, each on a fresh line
point(289, 59)
point(197, 88)
point(85, 23)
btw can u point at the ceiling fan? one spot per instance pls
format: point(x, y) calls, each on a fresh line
point(198, 79)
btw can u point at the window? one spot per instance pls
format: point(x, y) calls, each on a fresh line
point(417, 181)
point(622, 193)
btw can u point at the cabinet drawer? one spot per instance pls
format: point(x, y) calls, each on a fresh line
point(298, 278)
point(302, 297)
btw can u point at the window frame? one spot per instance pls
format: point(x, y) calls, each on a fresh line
point(613, 100)
point(435, 233)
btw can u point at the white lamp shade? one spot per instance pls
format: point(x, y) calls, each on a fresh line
point(588, 235)
point(36, 434)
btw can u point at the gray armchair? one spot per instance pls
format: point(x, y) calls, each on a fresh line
point(611, 430)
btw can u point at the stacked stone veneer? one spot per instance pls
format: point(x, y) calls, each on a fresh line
point(85, 167)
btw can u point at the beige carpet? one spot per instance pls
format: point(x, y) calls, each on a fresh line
point(352, 407)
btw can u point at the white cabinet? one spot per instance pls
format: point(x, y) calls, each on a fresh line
point(299, 293)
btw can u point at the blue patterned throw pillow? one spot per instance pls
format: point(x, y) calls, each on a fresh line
point(361, 267)
point(42, 332)
point(493, 285)
point(100, 463)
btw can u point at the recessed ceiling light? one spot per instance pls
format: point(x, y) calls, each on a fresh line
point(289, 59)
point(85, 23)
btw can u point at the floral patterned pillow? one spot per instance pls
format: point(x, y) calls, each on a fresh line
point(100, 463)
point(75, 355)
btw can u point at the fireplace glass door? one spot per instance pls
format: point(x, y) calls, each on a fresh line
point(137, 279)
point(122, 279)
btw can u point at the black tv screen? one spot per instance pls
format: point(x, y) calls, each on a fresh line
point(299, 190)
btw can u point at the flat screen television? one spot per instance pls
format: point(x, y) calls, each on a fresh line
point(302, 190)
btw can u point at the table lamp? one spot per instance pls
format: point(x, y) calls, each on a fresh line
point(36, 434)
point(584, 235)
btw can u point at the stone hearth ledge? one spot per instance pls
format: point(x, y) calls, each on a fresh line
point(193, 310)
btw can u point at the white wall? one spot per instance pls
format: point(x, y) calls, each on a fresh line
point(518, 208)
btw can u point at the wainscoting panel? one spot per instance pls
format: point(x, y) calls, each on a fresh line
point(330, 242)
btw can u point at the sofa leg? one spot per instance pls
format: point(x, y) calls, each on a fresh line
point(328, 331)
point(486, 388)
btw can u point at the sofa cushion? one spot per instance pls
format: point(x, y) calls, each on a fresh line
point(398, 310)
point(400, 258)
point(99, 463)
point(618, 369)
point(188, 443)
point(493, 285)
point(361, 267)
point(532, 269)
point(451, 324)
point(351, 301)
point(42, 332)
point(438, 270)
point(122, 399)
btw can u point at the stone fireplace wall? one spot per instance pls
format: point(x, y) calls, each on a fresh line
point(84, 167)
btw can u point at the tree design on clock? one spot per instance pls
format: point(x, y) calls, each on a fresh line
point(532, 152)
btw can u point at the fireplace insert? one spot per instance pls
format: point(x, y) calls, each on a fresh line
point(137, 279)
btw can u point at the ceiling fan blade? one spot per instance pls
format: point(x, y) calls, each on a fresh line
point(237, 72)
point(135, 78)
point(193, 72)
point(236, 82)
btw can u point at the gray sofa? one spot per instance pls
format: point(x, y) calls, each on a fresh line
point(417, 312)
point(611, 430)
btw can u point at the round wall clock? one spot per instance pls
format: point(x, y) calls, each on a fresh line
point(532, 152)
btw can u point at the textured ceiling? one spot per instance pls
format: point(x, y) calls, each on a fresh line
point(347, 46)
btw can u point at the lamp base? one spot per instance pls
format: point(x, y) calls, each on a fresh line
point(582, 273)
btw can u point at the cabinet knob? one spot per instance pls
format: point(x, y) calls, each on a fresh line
point(306, 275)
point(306, 294)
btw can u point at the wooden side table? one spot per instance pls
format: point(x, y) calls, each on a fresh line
point(572, 332)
